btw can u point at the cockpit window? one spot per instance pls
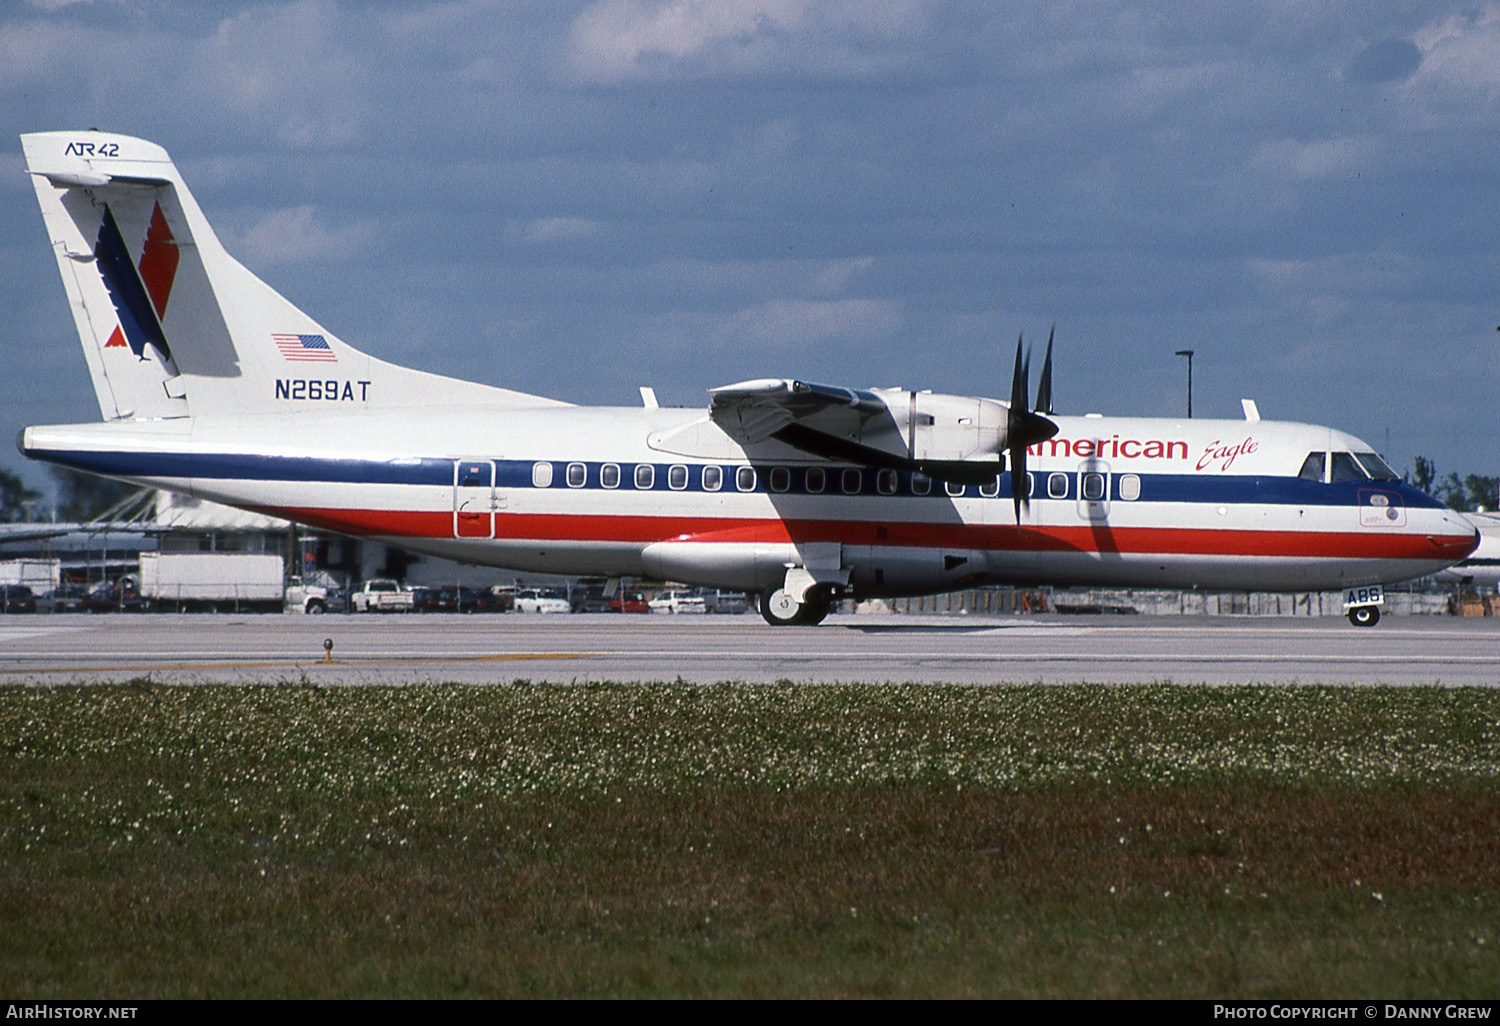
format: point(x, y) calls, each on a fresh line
point(1376, 467)
point(1345, 469)
point(1359, 466)
point(1312, 467)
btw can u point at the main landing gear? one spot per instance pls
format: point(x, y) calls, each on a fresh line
point(781, 610)
point(1364, 616)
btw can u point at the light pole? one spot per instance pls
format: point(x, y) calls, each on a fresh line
point(1189, 354)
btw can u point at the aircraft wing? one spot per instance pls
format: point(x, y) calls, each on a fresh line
point(752, 411)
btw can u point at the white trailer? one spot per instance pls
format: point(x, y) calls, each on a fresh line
point(40, 575)
point(230, 581)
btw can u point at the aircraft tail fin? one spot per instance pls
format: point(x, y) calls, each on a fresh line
point(171, 324)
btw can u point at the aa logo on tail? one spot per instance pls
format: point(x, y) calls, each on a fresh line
point(139, 295)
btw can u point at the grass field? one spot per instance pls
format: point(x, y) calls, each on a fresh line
point(747, 840)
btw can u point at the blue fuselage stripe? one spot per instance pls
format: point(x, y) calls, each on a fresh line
point(515, 474)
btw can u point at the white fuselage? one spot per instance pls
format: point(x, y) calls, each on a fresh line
point(666, 493)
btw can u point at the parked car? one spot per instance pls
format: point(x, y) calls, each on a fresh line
point(504, 597)
point(122, 596)
point(725, 601)
point(459, 599)
point(535, 600)
point(588, 595)
point(630, 602)
point(592, 602)
point(17, 598)
point(66, 598)
point(677, 602)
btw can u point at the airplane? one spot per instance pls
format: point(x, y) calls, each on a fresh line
point(1481, 570)
point(213, 385)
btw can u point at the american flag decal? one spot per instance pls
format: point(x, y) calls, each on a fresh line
point(305, 348)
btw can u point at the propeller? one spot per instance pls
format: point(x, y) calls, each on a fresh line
point(1023, 427)
point(1044, 387)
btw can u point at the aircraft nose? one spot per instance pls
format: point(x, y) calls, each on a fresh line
point(1459, 538)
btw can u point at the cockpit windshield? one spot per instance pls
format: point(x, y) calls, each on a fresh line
point(1356, 466)
point(1376, 467)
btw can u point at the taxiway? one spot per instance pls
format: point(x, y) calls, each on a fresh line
point(400, 649)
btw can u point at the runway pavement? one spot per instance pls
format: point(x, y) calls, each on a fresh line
point(393, 648)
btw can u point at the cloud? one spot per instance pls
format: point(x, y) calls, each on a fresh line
point(296, 235)
point(1458, 82)
point(616, 40)
point(836, 275)
point(553, 229)
point(1387, 60)
point(1316, 159)
point(1326, 288)
point(298, 67)
point(780, 326)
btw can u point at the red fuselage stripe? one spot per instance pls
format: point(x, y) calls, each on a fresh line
point(1100, 538)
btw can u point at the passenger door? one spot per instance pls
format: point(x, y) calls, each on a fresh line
point(474, 499)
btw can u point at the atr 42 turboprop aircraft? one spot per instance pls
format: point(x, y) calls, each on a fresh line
point(213, 385)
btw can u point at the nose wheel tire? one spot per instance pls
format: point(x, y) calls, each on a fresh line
point(1364, 616)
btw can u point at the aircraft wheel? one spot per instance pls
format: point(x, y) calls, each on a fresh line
point(779, 608)
point(1364, 616)
point(815, 606)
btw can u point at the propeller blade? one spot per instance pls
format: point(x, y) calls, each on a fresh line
point(1024, 428)
point(1044, 387)
point(1020, 378)
point(1015, 424)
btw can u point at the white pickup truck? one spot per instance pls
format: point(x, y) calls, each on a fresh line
point(305, 596)
point(381, 596)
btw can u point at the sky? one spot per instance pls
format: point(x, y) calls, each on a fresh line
point(577, 199)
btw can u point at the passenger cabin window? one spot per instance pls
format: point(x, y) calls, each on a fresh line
point(1093, 487)
point(953, 489)
point(1312, 467)
point(921, 484)
point(645, 475)
point(1130, 487)
point(713, 479)
point(781, 479)
point(1057, 486)
point(677, 477)
point(990, 489)
point(885, 482)
point(744, 479)
point(817, 480)
point(577, 474)
point(609, 475)
point(541, 475)
point(852, 481)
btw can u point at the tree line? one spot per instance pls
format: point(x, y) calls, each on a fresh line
point(1467, 494)
point(80, 496)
